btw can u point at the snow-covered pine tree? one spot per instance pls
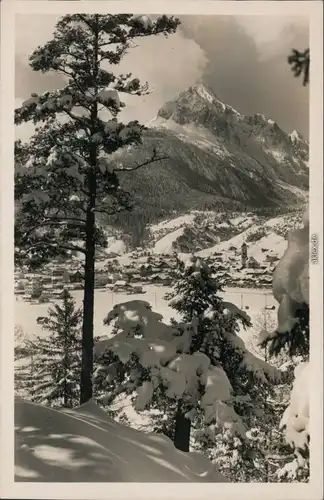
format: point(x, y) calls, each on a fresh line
point(53, 374)
point(291, 290)
point(19, 343)
point(193, 294)
point(196, 294)
point(21, 353)
point(67, 174)
point(273, 463)
point(197, 374)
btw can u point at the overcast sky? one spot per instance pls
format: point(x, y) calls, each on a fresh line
point(242, 60)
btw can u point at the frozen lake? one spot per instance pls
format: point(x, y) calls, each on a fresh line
point(26, 314)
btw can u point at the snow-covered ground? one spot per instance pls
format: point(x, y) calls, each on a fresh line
point(173, 223)
point(27, 314)
point(274, 243)
point(243, 220)
point(164, 245)
point(85, 445)
point(117, 246)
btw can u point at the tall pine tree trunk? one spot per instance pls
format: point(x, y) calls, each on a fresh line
point(65, 359)
point(182, 430)
point(89, 272)
point(88, 311)
point(65, 388)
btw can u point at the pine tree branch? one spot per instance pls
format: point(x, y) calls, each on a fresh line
point(107, 212)
point(154, 158)
point(68, 220)
point(55, 222)
point(73, 248)
point(86, 22)
point(78, 120)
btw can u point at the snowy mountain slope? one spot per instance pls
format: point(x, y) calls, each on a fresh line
point(209, 232)
point(165, 244)
point(238, 240)
point(85, 445)
point(172, 224)
point(262, 238)
point(216, 157)
point(198, 113)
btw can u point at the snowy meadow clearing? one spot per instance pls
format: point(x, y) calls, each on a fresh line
point(26, 314)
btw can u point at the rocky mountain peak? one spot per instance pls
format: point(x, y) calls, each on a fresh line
point(201, 91)
point(296, 137)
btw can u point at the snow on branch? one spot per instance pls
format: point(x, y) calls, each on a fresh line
point(232, 309)
point(291, 290)
point(295, 420)
point(291, 277)
point(162, 351)
point(109, 98)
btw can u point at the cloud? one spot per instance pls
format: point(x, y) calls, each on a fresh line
point(168, 64)
point(247, 64)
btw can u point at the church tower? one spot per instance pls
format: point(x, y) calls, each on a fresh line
point(244, 254)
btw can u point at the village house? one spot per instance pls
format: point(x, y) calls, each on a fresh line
point(76, 277)
point(252, 263)
point(56, 280)
point(46, 280)
point(58, 271)
point(272, 258)
point(100, 281)
point(162, 264)
point(66, 276)
point(145, 269)
point(120, 286)
point(156, 278)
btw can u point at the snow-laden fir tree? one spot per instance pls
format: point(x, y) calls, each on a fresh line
point(19, 342)
point(197, 373)
point(269, 437)
point(291, 290)
point(67, 174)
point(51, 374)
point(196, 294)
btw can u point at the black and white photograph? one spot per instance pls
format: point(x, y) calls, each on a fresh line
point(162, 253)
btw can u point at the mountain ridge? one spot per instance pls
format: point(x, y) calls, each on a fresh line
point(217, 158)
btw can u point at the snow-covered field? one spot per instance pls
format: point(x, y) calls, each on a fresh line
point(27, 314)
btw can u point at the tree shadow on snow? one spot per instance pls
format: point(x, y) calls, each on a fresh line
point(84, 445)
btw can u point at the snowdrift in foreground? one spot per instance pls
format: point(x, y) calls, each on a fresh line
point(85, 445)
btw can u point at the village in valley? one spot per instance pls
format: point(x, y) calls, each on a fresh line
point(142, 267)
point(245, 260)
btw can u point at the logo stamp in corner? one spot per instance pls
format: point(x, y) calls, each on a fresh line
point(314, 246)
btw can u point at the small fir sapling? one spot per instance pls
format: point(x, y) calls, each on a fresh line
point(52, 374)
